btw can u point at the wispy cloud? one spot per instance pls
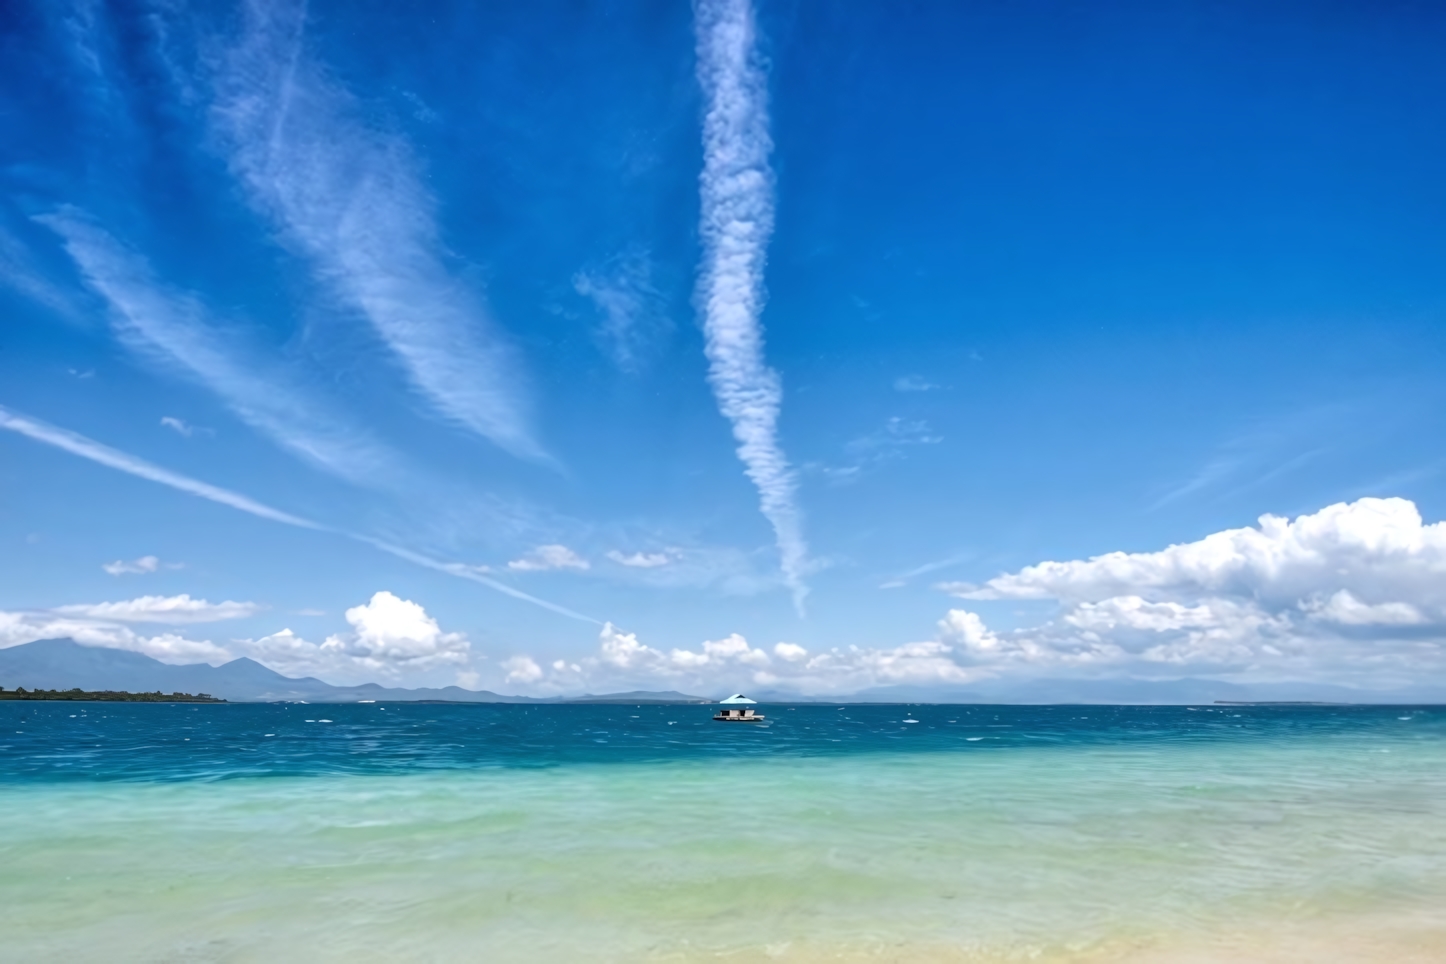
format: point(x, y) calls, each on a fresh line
point(163, 609)
point(349, 197)
point(897, 433)
point(544, 558)
point(475, 574)
point(88, 449)
point(640, 560)
point(179, 426)
point(914, 383)
point(737, 221)
point(135, 567)
point(105, 455)
point(903, 578)
point(19, 272)
point(175, 329)
point(631, 307)
point(876, 448)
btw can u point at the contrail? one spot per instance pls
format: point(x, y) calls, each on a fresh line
point(737, 221)
point(469, 572)
point(86, 448)
point(90, 449)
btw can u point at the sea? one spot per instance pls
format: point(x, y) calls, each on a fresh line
point(642, 833)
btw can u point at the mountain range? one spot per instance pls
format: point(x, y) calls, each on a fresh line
point(64, 663)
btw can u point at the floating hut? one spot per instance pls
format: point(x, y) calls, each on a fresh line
point(738, 716)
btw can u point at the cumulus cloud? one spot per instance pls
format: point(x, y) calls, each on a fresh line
point(388, 637)
point(1345, 609)
point(27, 627)
point(389, 632)
point(1376, 548)
point(623, 660)
point(737, 222)
point(622, 651)
point(162, 609)
point(135, 567)
point(544, 558)
point(1355, 592)
point(640, 560)
point(522, 669)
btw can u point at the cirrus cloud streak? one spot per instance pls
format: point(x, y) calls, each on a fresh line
point(737, 222)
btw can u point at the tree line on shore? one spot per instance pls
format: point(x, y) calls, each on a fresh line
point(110, 696)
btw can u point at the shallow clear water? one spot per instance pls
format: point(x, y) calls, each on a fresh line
point(505, 833)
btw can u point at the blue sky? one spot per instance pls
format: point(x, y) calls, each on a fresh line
point(587, 334)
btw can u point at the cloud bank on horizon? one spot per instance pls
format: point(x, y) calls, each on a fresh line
point(1353, 594)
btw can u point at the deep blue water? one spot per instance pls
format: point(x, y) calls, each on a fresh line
point(49, 741)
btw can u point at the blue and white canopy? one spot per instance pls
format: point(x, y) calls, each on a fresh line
point(737, 698)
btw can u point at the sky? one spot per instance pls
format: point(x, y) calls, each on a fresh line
point(761, 345)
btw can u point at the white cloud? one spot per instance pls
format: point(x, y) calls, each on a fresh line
point(620, 651)
point(86, 448)
point(897, 433)
point(902, 579)
point(623, 661)
point(549, 557)
point(162, 609)
point(737, 221)
point(640, 560)
point(1376, 548)
point(631, 307)
point(522, 669)
point(914, 383)
point(1354, 593)
point(1344, 608)
point(389, 636)
point(175, 328)
point(734, 647)
point(135, 567)
point(19, 271)
point(27, 627)
point(351, 197)
point(876, 448)
point(389, 631)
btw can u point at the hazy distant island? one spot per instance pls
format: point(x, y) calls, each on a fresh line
point(106, 696)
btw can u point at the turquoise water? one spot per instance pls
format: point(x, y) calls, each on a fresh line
point(619, 833)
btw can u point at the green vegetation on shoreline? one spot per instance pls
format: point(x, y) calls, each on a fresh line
point(105, 696)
